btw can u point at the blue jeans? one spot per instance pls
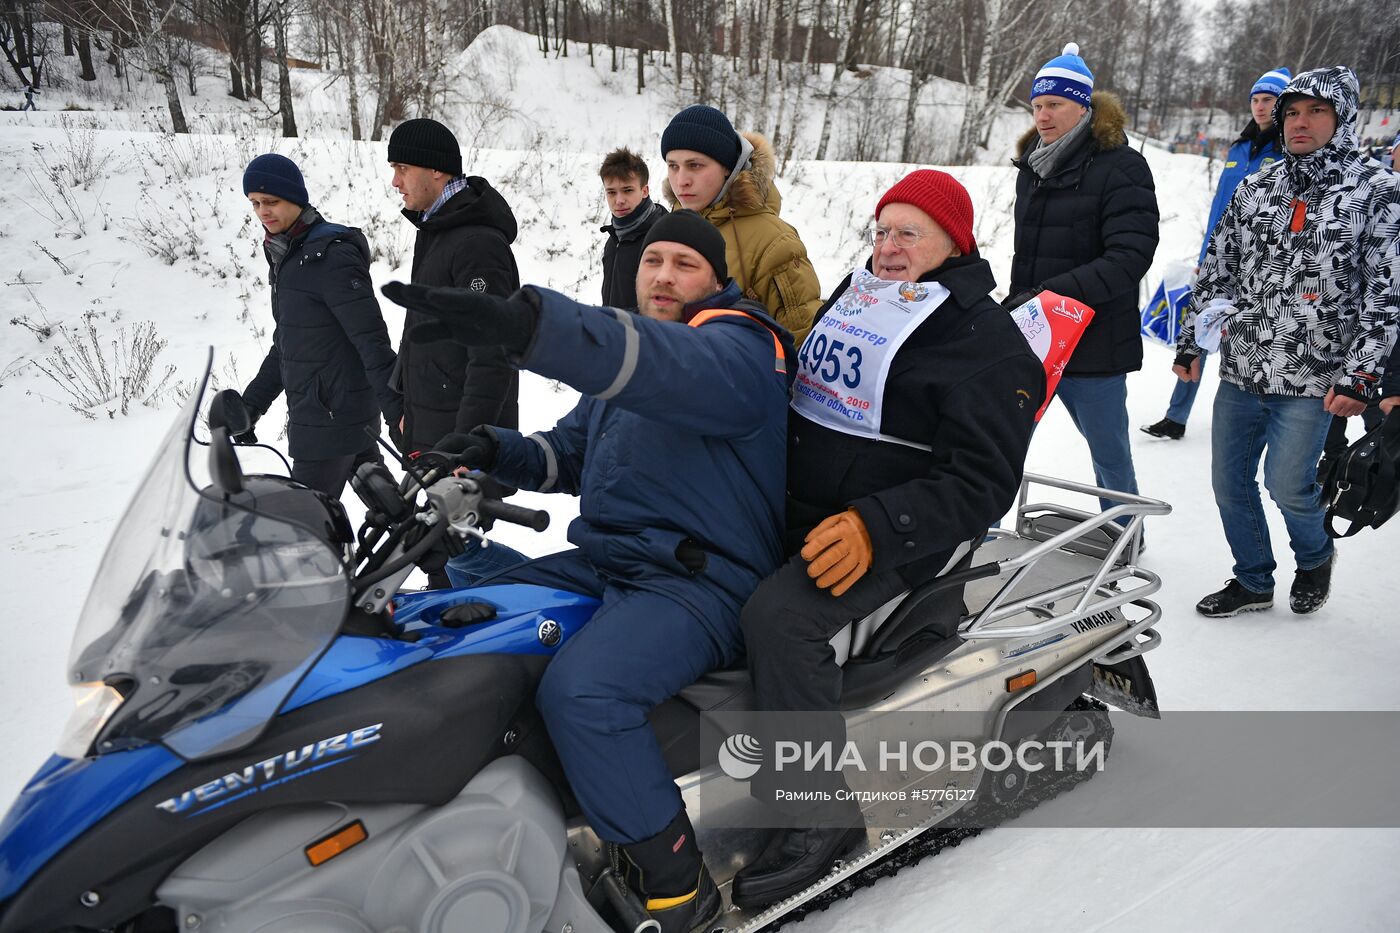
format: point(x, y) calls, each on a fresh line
point(477, 562)
point(1099, 408)
point(1184, 395)
point(1288, 434)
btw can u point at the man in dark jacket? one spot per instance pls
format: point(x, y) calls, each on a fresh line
point(330, 349)
point(912, 413)
point(1086, 228)
point(676, 450)
point(625, 175)
point(465, 229)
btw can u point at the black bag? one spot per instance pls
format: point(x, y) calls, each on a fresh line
point(1364, 485)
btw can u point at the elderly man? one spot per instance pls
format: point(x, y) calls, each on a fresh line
point(937, 394)
point(1301, 276)
point(676, 451)
point(1086, 228)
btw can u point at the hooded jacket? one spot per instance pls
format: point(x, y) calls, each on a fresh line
point(622, 256)
point(967, 385)
point(1255, 149)
point(1307, 252)
point(448, 387)
point(677, 440)
point(1089, 232)
point(764, 253)
point(330, 350)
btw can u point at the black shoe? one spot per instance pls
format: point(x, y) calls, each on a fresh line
point(671, 879)
point(793, 860)
point(1311, 587)
point(1235, 599)
point(1171, 430)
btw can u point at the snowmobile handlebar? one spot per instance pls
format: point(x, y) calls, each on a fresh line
point(536, 519)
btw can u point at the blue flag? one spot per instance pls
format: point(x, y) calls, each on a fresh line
point(1162, 317)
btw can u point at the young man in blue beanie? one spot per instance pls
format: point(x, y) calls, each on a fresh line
point(465, 229)
point(727, 177)
point(1256, 148)
point(1087, 228)
point(330, 350)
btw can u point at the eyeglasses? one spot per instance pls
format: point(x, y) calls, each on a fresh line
point(903, 239)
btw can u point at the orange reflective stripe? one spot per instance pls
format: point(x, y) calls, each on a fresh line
point(712, 313)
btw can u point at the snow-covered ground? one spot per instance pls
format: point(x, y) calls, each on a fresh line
point(145, 227)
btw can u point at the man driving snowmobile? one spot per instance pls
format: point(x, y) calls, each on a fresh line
point(684, 408)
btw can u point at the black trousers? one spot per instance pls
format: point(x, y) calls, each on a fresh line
point(330, 476)
point(788, 624)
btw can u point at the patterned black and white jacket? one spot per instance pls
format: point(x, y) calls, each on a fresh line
point(1309, 252)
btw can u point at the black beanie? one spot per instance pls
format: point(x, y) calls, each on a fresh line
point(427, 143)
point(690, 229)
point(705, 130)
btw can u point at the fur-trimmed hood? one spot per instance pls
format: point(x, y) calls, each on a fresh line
point(751, 190)
point(1110, 124)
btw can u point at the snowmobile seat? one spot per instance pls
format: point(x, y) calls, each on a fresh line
point(876, 651)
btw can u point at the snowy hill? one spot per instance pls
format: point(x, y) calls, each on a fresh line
point(106, 224)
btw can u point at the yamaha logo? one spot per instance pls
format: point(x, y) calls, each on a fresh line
point(550, 633)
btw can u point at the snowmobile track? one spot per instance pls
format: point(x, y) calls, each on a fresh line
point(921, 842)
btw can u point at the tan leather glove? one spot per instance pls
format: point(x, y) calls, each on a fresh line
point(838, 552)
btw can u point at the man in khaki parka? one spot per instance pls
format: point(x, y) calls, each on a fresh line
point(728, 178)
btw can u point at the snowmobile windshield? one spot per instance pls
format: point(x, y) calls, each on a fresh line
point(205, 612)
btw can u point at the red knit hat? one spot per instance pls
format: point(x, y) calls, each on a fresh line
point(940, 196)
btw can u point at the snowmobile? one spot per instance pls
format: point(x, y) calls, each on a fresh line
point(271, 737)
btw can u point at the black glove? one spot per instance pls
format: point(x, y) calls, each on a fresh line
point(1015, 301)
point(249, 436)
point(468, 317)
point(476, 450)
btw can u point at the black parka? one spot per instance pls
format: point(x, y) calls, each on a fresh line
point(448, 387)
point(1089, 232)
point(966, 384)
point(622, 255)
point(330, 350)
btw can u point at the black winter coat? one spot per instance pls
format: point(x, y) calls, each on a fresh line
point(622, 255)
point(330, 350)
point(448, 387)
point(966, 384)
point(1089, 232)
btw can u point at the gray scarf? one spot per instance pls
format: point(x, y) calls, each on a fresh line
point(278, 245)
point(1046, 160)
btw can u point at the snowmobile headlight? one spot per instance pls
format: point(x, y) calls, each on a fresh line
point(96, 702)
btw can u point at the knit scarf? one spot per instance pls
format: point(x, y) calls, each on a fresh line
point(622, 226)
point(1045, 160)
point(278, 245)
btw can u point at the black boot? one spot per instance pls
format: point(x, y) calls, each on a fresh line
point(1311, 587)
point(1172, 430)
point(671, 879)
point(793, 860)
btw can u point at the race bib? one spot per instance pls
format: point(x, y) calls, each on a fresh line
point(845, 361)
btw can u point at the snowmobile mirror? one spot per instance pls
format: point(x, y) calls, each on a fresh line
point(223, 462)
point(228, 411)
